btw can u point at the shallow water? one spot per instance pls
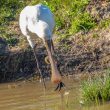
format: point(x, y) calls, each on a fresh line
point(30, 96)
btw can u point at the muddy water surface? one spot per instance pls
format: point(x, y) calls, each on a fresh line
point(30, 96)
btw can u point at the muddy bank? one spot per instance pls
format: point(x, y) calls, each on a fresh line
point(84, 54)
point(20, 65)
point(74, 55)
point(85, 51)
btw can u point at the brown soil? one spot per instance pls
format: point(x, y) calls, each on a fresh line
point(83, 52)
point(74, 55)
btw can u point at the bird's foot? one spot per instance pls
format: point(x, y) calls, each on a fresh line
point(59, 86)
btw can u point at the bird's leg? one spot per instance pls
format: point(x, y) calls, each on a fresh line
point(38, 67)
point(56, 77)
point(31, 43)
point(33, 46)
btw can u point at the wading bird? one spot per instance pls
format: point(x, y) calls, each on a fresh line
point(39, 20)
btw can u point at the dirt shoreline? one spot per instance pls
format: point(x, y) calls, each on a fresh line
point(80, 55)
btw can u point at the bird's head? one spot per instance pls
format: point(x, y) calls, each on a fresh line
point(57, 79)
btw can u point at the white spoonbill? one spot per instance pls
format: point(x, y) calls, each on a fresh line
point(39, 20)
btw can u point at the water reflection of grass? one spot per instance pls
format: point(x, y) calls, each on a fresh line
point(96, 89)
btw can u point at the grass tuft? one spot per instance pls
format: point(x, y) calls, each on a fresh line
point(96, 89)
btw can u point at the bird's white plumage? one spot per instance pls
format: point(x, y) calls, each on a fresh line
point(37, 19)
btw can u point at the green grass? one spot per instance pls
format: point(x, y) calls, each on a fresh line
point(69, 15)
point(104, 23)
point(96, 89)
point(9, 12)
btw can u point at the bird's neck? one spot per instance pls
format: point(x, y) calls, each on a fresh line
point(56, 77)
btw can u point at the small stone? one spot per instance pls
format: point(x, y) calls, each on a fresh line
point(81, 102)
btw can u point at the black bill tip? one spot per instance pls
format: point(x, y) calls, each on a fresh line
point(60, 86)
